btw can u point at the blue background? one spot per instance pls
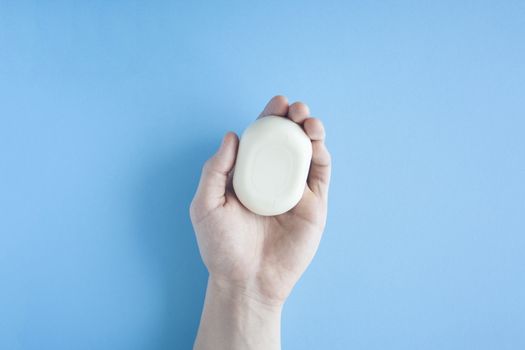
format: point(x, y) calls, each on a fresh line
point(108, 109)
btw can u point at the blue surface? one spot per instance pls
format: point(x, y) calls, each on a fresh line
point(108, 109)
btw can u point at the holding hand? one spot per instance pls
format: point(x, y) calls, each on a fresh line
point(254, 261)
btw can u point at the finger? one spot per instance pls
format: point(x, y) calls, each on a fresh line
point(278, 105)
point(314, 128)
point(298, 112)
point(320, 167)
point(214, 177)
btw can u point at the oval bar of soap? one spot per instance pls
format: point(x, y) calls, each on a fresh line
point(272, 165)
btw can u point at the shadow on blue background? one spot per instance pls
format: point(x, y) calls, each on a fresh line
point(166, 234)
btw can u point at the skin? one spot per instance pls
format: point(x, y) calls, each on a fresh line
point(254, 261)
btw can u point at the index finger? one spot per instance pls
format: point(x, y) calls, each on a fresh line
point(278, 105)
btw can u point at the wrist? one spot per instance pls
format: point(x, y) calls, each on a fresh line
point(239, 318)
point(244, 292)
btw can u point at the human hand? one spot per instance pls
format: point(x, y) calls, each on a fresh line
point(260, 257)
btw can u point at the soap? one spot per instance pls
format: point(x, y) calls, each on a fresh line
point(272, 165)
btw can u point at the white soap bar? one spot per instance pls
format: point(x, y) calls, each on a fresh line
point(272, 165)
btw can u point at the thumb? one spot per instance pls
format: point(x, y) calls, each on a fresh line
point(212, 185)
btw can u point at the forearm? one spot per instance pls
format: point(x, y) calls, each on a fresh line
point(233, 320)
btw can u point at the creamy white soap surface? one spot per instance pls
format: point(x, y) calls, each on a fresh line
point(272, 165)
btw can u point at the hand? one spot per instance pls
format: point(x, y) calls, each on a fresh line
point(260, 257)
point(254, 261)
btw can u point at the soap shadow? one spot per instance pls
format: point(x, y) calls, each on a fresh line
point(166, 234)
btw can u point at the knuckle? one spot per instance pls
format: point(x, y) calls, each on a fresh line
point(196, 208)
point(207, 166)
point(192, 208)
point(328, 156)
